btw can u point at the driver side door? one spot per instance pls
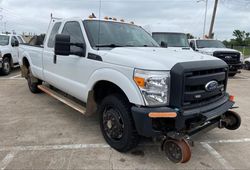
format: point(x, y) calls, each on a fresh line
point(67, 73)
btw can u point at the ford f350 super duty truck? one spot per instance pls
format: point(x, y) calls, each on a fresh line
point(118, 71)
point(232, 57)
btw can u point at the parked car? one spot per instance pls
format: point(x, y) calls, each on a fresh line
point(118, 71)
point(166, 37)
point(9, 52)
point(216, 48)
point(247, 63)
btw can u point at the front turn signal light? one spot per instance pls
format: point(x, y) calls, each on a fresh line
point(139, 81)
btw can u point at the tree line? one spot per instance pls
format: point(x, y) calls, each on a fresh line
point(241, 38)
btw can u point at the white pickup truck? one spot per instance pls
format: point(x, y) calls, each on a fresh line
point(118, 71)
point(9, 52)
point(167, 37)
point(232, 57)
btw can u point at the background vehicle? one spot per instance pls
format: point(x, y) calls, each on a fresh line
point(166, 37)
point(247, 63)
point(233, 58)
point(138, 89)
point(9, 52)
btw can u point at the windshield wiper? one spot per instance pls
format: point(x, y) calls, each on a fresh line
point(108, 45)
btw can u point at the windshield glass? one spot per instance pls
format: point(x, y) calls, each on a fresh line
point(4, 40)
point(114, 34)
point(209, 44)
point(172, 39)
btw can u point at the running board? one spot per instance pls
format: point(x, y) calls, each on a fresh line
point(63, 99)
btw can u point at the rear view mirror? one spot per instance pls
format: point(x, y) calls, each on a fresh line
point(192, 45)
point(164, 44)
point(15, 43)
point(62, 44)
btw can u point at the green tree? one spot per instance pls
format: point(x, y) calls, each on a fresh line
point(190, 36)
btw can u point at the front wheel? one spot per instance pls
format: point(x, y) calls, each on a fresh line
point(232, 74)
point(116, 123)
point(6, 67)
point(247, 65)
point(33, 86)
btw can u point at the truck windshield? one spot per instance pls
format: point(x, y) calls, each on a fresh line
point(172, 39)
point(114, 34)
point(4, 40)
point(209, 44)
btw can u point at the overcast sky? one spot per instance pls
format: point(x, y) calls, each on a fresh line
point(180, 15)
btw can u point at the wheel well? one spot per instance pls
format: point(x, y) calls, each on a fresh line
point(9, 57)
point(26, 62)
point(105, 88)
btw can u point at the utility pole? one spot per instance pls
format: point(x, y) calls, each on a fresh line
point(210, 35)
point(205, 21)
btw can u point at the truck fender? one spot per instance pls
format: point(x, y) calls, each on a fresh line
point(24, 69)
point(126, 84)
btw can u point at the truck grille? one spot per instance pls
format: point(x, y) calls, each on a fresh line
point(228, 57)
point(195, 93)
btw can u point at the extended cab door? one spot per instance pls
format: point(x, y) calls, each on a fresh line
point(69, 72)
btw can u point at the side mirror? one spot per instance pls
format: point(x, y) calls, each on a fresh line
point(15, 44)
point(62, 44)
point(192, 46)
point(164, 44)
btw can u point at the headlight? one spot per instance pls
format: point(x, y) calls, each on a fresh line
point(154, 86)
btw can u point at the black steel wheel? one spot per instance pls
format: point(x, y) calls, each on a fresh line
point(116, 123)
point(6, 66)
point(33, 86)
point(113, 123)
point(177, 151)
point(232, 74)
point(247, 65)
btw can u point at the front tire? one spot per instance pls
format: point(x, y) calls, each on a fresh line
point(232, 74)
point(247, 65)
point(116, 123)
point(6, 67)
point(33, 86)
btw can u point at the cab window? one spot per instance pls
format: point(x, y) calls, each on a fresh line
point(73, 29)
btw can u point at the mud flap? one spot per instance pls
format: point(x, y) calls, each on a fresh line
point(24, 71)
point(91, 106)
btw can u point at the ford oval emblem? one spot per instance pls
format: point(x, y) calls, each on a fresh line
point(211, 86)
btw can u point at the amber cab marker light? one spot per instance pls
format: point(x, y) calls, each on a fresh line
point(162, 115)
point(231, 98)
point(139, 81)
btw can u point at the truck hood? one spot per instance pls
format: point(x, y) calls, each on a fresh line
point(180, 48)
point(151, 58)
point(211, 50)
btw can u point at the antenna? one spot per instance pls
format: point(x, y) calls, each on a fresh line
point(99, 25)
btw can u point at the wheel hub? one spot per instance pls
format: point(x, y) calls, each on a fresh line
point(6, 66)
point(109, 124)
point(113, 124)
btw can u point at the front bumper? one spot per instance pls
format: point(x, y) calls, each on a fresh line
point(185, 122)
point(233, 68)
